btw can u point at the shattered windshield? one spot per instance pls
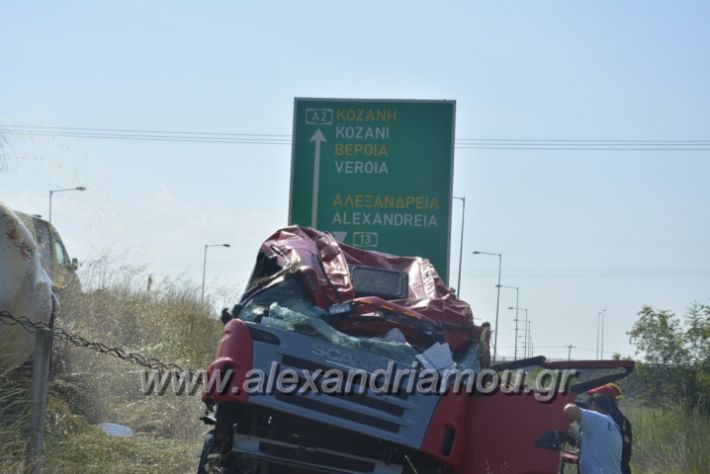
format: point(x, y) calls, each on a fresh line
point(284, 305)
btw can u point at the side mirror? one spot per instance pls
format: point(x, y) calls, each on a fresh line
point(74, 264)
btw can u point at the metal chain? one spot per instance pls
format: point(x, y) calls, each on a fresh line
point(9, 320)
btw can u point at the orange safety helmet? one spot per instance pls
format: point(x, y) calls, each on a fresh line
point(611, 390)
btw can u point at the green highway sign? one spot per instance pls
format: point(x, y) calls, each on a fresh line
point(377, 174)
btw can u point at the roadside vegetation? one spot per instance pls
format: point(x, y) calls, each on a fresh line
point(116, 308)
point(669, 440)
point(669, 393)
point(667, 398)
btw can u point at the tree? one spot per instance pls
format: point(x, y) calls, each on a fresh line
point(676, 355)
point(698, 333)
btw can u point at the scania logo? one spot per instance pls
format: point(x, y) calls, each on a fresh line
point(342, 357)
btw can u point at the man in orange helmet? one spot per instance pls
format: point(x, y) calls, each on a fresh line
point(613, 391)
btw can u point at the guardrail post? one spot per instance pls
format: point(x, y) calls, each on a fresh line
point(40, 385)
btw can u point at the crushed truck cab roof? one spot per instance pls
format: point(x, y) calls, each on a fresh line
point(377, 291)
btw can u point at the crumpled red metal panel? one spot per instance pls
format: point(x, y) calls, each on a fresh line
point(324, 262)
point(317, 254)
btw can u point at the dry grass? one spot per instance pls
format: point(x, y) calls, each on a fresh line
point(669, 441)
point(167, 323)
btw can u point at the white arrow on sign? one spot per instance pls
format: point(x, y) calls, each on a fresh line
point(319, 138)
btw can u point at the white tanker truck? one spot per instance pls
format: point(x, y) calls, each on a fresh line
point(33, 264)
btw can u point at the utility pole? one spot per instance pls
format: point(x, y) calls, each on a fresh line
point(600, 334)
point(463, 216)
point(528, 340)
point(517, 300)
point(526, 328)
point(569, 352)
point(527, 332)
point(603, 317)
point(498, 286)
point(596, 348)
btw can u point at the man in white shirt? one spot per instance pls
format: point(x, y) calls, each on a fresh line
point(600, 436)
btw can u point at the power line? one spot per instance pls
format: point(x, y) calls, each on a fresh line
point(582, 148)
point(128, 130)
point(284, 139)
point(577, 140)
point(594, 244)
point(264, 140)
point(598, 273)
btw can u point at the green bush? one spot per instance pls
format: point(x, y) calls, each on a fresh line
point(676, 357)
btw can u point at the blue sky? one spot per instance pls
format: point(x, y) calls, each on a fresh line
point(579, 230)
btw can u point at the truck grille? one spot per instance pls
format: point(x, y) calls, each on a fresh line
point(324, 407)
point(385, 412)
point(400, 417)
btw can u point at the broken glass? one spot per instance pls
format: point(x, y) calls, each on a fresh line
point(285, 306)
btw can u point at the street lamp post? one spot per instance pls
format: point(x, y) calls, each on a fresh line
point(463, 216)
point(600, 334)
point(603, 318)
point(54, 191)
point(596, 348)
point(495, 330)
point(517, 299)
point(525, 345)
point(204, 266)
point(528, 341)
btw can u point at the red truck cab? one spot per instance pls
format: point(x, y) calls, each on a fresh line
point(314, 306)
